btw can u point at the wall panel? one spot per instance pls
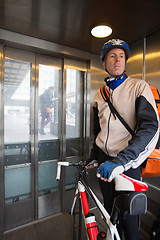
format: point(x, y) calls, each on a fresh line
point(135, 62)
point(152, 60)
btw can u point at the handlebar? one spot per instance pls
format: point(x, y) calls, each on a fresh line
point(59, 169)
point(122, 182)
point(66, 164)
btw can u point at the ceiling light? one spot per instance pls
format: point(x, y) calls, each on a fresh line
point(101, 31)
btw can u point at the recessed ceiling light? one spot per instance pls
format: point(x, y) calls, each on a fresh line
point(101, 31)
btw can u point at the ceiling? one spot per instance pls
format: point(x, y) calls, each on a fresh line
point(68, 22)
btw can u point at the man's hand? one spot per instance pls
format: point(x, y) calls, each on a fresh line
point(108, 170)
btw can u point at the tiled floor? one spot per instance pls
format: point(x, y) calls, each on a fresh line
point(59, 227)
point(55, 228)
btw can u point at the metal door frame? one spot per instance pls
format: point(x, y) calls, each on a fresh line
point(1, 141)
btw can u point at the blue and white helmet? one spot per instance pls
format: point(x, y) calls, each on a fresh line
point(114, 43)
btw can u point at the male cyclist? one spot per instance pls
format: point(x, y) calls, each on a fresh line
point(114, 147)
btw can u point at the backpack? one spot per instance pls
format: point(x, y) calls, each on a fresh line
point(156, 97)
point(155, 234)
point(151, 167)
point(157, 100)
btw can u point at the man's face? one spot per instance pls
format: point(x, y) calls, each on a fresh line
point(115, 62)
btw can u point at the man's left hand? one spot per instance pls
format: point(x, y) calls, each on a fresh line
point(108, 170)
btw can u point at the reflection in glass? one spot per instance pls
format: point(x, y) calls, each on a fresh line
point(17, 130)
point(48, 102)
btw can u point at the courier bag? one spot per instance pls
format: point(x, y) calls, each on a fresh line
point(152, 166)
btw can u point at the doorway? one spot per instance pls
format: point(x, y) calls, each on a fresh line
point(33, 142)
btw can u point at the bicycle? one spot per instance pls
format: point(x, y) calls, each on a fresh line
point(132, 200)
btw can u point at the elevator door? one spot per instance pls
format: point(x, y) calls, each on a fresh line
point(18, 128)
point(44, 122)
point(30, 155)
point(49, 125)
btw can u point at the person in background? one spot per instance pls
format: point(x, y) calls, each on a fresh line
point(46, 105)
point(115, 149)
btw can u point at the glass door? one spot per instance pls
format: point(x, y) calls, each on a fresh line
point(44, 122)
point(18, 157)
point(49, 122)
